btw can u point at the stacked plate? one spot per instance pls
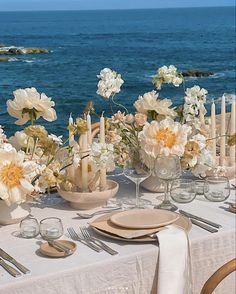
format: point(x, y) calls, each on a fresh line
point(138, 225)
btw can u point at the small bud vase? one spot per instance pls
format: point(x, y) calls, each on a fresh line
point(14, 213)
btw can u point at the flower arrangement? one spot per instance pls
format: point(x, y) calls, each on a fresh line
point(33, 160)
point(157, 128)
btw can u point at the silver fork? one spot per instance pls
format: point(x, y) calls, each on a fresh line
point(76, 237)
point(86, 234)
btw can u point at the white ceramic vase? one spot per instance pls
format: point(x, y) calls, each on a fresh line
point(153, 184)
point(14, 213)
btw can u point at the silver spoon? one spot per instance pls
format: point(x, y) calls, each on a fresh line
point(87, 215)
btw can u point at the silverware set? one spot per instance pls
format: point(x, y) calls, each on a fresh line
point(11, 270)
point(87, 239)
point(202, 222)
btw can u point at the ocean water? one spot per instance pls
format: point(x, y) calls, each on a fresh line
point(133, 42)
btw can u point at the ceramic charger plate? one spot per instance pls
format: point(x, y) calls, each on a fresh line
point(143, 218)
point(182, 222)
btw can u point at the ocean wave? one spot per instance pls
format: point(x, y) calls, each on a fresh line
point(13, 59)
point(28, 61)
point(228, 98)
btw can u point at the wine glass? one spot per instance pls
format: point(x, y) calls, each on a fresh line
point(137, 172)
point(167, 168)
point(51, 228)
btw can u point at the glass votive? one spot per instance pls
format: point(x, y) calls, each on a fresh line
point(29, 228)
point(217, 188)
point(199, 187)
point(183, 190)
point(51, 228)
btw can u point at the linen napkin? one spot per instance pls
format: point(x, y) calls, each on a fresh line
point(174, 267)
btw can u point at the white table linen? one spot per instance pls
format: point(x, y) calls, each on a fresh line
point(133, 270)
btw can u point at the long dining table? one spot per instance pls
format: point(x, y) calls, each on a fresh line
point(132, 270)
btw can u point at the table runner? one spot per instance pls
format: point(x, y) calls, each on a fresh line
point(133, 270)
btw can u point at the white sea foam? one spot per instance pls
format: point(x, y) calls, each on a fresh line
point(12, 59)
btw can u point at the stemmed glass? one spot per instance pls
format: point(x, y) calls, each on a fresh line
point(137, 172)
point(167, 168)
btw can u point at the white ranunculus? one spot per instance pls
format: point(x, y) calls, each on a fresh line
point(205, 162)
point(15, 176)
point(28, 102)
point(103, 155)
point(167, 75)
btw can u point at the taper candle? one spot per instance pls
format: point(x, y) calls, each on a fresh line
point(222, 132)
point(213, 128)
point(103, 181)
point(89, 127)
point(232, 131)
point(84, 161)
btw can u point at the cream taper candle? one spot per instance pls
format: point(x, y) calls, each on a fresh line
point(89, 127)
point(103, 181)
point(232, 131)
point(213, 128)
point(84, 161)
point(71, 134)
point(222, 131)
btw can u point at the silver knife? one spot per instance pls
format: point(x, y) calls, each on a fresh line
point(203, 226)
point(200, 219)
point(61, 247)
point(7, 257)
point(11, 270)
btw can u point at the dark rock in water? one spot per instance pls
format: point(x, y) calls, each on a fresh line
point(2, 45)
point(196, 73)
point(18, 51)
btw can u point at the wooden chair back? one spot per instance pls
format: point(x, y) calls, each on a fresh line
point(218, 276)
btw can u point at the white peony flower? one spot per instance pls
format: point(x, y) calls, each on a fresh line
point(109, 84)
point(165, 137)
point(204, 163)
point(15, 176)
point(150, 102)
point(28, 104)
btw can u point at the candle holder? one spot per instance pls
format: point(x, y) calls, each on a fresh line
point(90, 200)
point(229, 170)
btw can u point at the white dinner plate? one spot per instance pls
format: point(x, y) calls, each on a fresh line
point(143, 218)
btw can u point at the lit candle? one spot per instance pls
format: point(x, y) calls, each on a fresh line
point(29, 231)
point(213, 128)
point(222, 132)
point(89, 129)
point(84, 161)
point(52, 233)
point(103, 181)
point(232, 131)
point(71, 134)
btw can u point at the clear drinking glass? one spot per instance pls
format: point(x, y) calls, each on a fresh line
point(217, 188)
point(183, 190)
point(167, 168)
point(137, 172)
point(29, 228)
point(51, 228)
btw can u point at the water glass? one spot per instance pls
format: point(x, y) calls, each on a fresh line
point(29, 228)
point(51, 228)
point(183, 190)
point(217, 188)
point(199, 187)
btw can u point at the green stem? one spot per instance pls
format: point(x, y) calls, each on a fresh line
point(118, 104)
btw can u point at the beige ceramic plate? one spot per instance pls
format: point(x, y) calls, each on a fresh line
point(143, 218)
point(48, 250)
point(182, 222)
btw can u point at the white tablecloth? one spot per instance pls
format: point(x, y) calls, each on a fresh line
point(133, 270)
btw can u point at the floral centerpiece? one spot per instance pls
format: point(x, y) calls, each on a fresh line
point(158, 128)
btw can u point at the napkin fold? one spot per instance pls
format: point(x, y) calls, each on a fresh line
point(174, 266)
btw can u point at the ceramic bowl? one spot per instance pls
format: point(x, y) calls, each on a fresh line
point(89, 200)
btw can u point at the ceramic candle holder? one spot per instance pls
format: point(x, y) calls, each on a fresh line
point(89, 200)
